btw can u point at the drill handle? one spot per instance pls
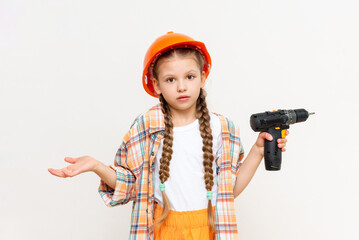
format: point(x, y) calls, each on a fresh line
point(272, 153)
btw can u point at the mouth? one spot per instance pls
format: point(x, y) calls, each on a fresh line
point(183, 98)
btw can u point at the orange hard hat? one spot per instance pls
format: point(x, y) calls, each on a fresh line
point(166, 42)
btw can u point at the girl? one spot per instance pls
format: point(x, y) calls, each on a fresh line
point(179, 163)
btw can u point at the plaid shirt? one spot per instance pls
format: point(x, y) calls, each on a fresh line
point(134, 166)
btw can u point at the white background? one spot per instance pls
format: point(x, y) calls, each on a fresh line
point(70, 85)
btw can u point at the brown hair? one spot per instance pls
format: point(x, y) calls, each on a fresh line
point(202, 114)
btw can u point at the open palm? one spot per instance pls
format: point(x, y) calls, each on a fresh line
point(79, 165)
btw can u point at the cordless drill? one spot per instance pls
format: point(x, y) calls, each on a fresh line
point(276, 123)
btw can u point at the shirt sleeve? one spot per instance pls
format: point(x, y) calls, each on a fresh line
point(125, 189)
point(239, 151)
point(241, 155)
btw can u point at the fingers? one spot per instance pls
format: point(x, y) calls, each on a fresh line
point(56, 172)
point(282, 140)
point(64, 172)
point(266, 135)
point(269, 136)
point(70, 159)
point(282, 143)
point(69, 172)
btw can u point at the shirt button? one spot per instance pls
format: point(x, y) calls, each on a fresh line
point(152, 153)
point(146, 210)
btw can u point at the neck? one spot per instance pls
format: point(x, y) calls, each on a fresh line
point(184, 117)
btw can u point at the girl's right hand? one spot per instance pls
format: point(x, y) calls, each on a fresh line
point(79, 165)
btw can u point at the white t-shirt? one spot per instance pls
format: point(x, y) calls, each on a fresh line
point(185, 188)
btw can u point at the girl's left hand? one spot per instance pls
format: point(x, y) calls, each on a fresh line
point(264, 135)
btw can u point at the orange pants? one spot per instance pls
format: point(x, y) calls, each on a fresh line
point(186, 225)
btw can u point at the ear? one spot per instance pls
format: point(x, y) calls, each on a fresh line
point(156, 86)
point(203, 79)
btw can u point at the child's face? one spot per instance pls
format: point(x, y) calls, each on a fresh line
point(179, 76)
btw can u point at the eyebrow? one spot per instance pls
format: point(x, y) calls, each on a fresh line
point(170, 74)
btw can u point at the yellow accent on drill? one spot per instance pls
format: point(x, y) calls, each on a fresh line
point(282, 132)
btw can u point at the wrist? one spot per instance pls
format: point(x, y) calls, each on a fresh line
point(259, 151)
point(97, 166)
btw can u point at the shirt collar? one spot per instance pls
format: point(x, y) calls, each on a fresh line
point(156, 119)
point(157, 123)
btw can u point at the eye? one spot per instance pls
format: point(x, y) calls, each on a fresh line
point(169, 79)
point(191, 76)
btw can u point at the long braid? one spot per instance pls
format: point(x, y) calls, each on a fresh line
point(202, 115)
point(207, 139)
point(167, 151)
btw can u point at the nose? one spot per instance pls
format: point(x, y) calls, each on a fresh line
point(181, 86)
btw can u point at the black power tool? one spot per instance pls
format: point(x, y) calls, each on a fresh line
point(276, 123)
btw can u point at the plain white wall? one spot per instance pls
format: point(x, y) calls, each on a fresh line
point(70, 85)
